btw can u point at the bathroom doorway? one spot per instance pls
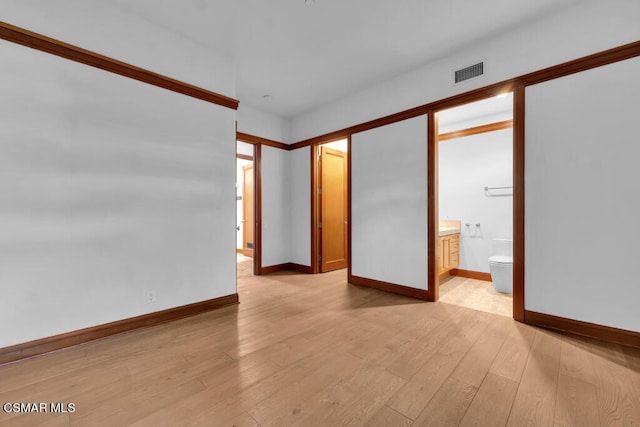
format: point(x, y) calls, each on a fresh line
point(245, 209)
point(329, 206)
point(475, 205)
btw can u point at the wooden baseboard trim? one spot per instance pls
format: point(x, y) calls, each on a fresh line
point(604, 333)
point(301, 268)
point(81, 336)
point(470, 274)
point(389, 287)
point(270, 269)
point(286, 266)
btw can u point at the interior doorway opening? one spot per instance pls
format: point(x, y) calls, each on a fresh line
point(245, 209)
point(329, 206)
point(475, 205)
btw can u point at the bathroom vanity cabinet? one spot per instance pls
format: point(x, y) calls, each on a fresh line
point(449, 246)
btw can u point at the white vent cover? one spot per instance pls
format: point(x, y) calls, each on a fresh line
point(467, 73)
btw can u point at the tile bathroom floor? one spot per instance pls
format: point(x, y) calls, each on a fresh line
point(475, 294)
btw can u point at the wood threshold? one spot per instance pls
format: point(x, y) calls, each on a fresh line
point(506, 124)
point(470, 274)
point(389, 287)
point(605, 333)
point(52, 46)
point(81, 336)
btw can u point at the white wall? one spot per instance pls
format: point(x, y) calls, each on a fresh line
point(300, 181)
point(265, 125)
point(276, 212)
point(110, 28)
point(389, 203)
point(109, 188)
point(567, 35)
point(582, 209)
point(244, 148)
point(465, 166)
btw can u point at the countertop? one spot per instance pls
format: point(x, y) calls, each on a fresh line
point(448, 226)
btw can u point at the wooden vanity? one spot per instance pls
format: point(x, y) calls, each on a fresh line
point(448, 245)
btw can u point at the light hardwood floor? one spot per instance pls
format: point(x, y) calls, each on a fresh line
point(314, 351)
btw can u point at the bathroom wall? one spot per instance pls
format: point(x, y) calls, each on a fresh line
point(467, 165)
point(581, 206)
point(389, 203)
point(110, 189)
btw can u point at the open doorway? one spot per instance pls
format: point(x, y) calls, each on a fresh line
point(475, 205)
point(245, 209)
point(329, 206)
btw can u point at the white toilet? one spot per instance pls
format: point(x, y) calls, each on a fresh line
point(501, 265)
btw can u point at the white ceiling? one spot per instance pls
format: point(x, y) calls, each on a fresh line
point(305, 56)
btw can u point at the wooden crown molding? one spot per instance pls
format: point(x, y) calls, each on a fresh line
point(257, 140)
point(598, 59)
point(616, 54)
point(56, 47)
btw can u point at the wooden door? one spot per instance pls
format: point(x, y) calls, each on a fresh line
point(333, 209)
point(247, 210)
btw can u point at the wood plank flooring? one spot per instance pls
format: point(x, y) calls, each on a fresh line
point(311, 350)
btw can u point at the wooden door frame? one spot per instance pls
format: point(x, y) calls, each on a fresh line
point(257, 143)
point(316, 244)
point(518, 191)
point(257, 198)
point(244, 157)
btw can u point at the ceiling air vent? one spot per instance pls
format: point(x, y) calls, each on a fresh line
point(470, 72)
